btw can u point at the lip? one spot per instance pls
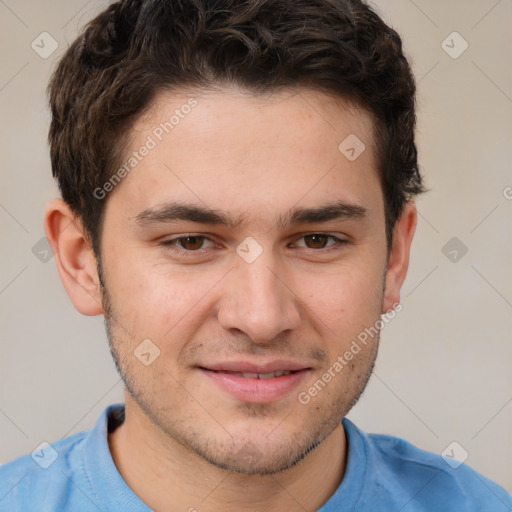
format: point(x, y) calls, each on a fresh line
point(248, 367)
point(255, 390)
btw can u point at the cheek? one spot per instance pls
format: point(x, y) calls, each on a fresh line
point(344, 307)
point(348, 294)
point(156, 298)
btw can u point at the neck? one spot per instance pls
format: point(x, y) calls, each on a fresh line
point(154, 467)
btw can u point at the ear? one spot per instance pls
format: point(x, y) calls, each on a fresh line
point(398, 259)
point(74, 257)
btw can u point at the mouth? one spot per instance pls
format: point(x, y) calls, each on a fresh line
point(263, 376)
point(256, 383)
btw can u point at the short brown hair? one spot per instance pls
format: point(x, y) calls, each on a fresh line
point(136, 48)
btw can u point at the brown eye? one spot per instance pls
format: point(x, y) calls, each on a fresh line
point(318, 241)
point(191, 243)
point(188, 244)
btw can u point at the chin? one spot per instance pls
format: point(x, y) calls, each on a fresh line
point(250, 461)
point(265, 453)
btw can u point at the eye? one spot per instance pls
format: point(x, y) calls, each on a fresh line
point(193, 245)
point(186, 244)
point(318, 241)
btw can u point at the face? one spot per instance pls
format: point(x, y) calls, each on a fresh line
point(249, 303)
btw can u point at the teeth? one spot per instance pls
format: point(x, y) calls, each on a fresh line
point(282, 372)
point(270, 375)
point(248, 375)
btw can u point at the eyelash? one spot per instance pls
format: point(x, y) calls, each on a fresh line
point(171, 244)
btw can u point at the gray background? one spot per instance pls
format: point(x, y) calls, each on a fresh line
point(443, 371)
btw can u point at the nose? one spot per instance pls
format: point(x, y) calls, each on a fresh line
point(258, 301)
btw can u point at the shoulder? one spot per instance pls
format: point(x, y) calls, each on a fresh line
point(60, 476)
point(47, 471)
point(417, 478)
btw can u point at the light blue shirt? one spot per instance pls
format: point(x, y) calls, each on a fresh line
point(384, 473)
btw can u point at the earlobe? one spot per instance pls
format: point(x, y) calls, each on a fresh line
point(74, 257)
point(398, 260)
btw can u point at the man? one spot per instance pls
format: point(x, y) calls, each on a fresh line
point(237, 186)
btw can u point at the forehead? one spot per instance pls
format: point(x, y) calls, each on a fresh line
point(232, 148)
point(270, 117)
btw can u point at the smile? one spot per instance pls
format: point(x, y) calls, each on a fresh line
point(269, 375)
point(255, 386)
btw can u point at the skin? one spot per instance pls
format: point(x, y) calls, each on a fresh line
point(257, 157)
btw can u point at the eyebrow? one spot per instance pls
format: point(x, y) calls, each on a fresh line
point(179, 211)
